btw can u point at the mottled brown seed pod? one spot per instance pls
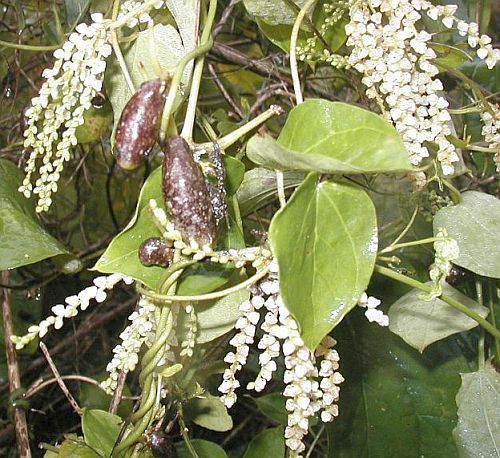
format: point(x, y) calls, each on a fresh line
point(185, 193)
point(160, 445)
point(215, 185)
point(155, 252)
point(139, 123)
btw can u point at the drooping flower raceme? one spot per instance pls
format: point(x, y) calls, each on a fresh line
point(395, 58)
point(97, 292)
point(58, 110)
point(309, 390)
point(491, 130)
point(71, 84)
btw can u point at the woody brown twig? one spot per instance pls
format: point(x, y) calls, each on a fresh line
point(22, 438)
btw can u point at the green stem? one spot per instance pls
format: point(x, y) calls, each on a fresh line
point(8, 44)
point(205, 297)
point(485, 16)
point(491, 306)
point(293, 50)
point(135, 434)
point(480, 345)
point(407, 228)
point(483, 149)
point(187, 128)
point(148, 379)
point(176, 80)
point(184, 432)
point(176, 266)
point(450, 301)
point(235, 135)
point(455, 193)
point(397, 246)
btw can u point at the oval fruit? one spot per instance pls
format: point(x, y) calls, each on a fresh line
point(155, 252)
point(138, 126)
point(185, 193)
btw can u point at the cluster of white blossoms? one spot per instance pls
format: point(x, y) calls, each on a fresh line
point(446, 250)
point(73, 304)
point(491, 130)
point(58, 110)
point(313, 49)
point(142, 332)
point(189, 342)
point(309, 390)
point(257, 256)
point(129, 7)
point(395, 59)
point(71, 84)
point(372, 313)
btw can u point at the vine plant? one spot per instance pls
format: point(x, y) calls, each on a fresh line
point(370, 178)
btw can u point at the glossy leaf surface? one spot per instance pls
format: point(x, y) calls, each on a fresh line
point(396, 402)
point(204, 449)
point(209, 412)
point(343, 139)
point(478, 400)
point(475, 225)
point(269, 442)
point(325, 241)
point(420, 323)
point(23, 240)
point(100, 430)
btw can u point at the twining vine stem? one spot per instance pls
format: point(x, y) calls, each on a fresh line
point(449, 300)
point(187, 128)
point(293, 50)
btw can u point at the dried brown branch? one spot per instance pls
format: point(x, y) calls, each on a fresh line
point(59, 380)
point(22, 438)
point(41, 384)
point(117, 395)
point(224, 92)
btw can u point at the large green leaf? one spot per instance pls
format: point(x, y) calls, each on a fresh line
point(73, 447)
point(259, 188)
point(325, 241)
point(209, 412)
point(204, 449)
point(75, 10)
point(396, 402)
point(22, 240)
point(100, 429)
point(121, 255)
point(478, 400)
point(420, 323)
point(279, 34)
point(475, 225)
point(269, 442)
point(342, 139)
point(274, 12)
point(272, 405)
